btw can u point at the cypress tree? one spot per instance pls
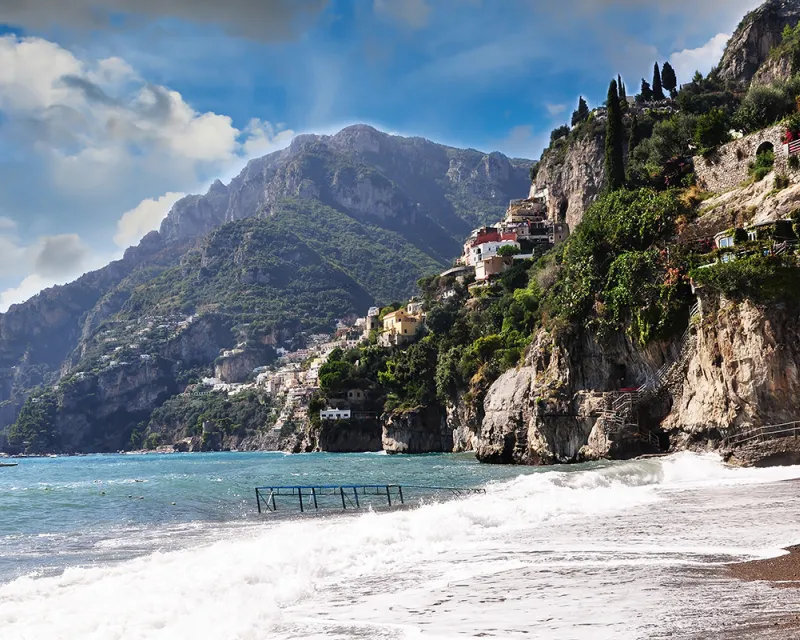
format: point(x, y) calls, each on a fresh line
point(615, 163)
point(647, 91)
point(582, 113)
point(668, 78)
point(623, 94)
point(658, 89)
point(633, 138)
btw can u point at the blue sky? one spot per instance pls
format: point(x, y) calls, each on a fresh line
point(110, 110)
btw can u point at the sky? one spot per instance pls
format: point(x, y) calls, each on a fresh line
point(111, 110)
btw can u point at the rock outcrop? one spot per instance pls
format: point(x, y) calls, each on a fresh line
point(551, 409)
point(759, 32)
point(417, 431)
point(573, 175)
point(744, 372)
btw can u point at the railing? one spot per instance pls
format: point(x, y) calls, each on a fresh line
point(763, 434)
point(322, 496)
point(654, 383)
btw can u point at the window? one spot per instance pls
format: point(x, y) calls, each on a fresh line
point(725, 243)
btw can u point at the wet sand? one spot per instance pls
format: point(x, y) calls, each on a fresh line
point(783, 571)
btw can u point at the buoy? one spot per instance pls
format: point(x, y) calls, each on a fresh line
point(173, 504)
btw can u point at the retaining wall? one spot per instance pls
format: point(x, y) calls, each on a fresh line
point(728, 167)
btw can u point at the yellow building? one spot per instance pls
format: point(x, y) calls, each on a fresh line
point(399, 327)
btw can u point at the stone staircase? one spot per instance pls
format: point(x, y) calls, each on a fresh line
point(624, 407)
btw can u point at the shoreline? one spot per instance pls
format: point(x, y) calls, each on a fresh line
point(782, 571)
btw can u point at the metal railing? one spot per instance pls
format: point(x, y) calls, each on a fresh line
point(763, 434)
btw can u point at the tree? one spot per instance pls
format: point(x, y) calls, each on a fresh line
point(559, 132)
point(623, 94)
point(633, 137)
point(658, 87)
point(614, 162)
point(647, 91)
point(668, 78)
point(711, 130)
point(508, 250)
point(582, 113)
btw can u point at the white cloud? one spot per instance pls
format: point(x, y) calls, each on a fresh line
point(688, 61)
point(146, 217)
point(555, 109)
point(108, 151)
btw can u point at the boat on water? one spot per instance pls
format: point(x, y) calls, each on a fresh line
point(8, 464)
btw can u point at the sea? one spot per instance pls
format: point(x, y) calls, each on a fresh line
point(172, 547)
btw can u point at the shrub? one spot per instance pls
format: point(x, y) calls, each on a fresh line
point(760, 278)
point(794, 162)
point(765, 105)
point(764, 163)
point(781, 181)
point(711, 131)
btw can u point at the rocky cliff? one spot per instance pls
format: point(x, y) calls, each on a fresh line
point(417, 431)
point(740, 369)
point(573, 174)
point(755, 37)
point(744, 371)
point(550, 409)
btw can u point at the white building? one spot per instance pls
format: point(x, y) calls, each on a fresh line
point(489, 250)
point(335, 414)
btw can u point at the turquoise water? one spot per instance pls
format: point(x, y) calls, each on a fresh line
point(93, 548)
point(66, 511)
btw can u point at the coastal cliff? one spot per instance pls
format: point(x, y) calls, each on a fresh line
point(572, 172)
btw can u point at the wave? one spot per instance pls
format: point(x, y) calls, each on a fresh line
point(238, 587)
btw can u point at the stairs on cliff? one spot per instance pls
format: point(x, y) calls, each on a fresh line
point(625, 405)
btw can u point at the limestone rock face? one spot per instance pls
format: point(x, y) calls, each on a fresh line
point(550, 410)
point(757, 34)
point(418, 431)
point(745, 371)
point(237, 366)
point(773, 70)
point(573, 178)
point(367, 173)
point(465, 421)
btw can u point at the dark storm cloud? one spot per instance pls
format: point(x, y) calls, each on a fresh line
point(256, 19)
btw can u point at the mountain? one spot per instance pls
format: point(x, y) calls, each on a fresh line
point(759, 32)
point(301, 237)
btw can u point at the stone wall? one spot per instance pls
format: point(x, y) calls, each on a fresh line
point(728, 167)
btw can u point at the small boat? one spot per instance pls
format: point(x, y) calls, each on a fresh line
point(8, 464)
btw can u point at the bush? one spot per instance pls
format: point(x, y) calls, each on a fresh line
point(781, 181)
point(760, 278)
point(794, 162)
point(764, 163)
point(763, 106)
point(711, 131)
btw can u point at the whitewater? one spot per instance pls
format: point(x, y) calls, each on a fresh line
point(627, 551)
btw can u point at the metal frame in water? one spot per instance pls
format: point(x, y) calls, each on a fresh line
point(347, 493)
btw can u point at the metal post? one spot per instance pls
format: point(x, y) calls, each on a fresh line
point(355, 493)
point(258, 501)
point(314, 493)
point(388, 495)
point(400, 491)
point(341, 490)
point(300, 494)
point(272, 495)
